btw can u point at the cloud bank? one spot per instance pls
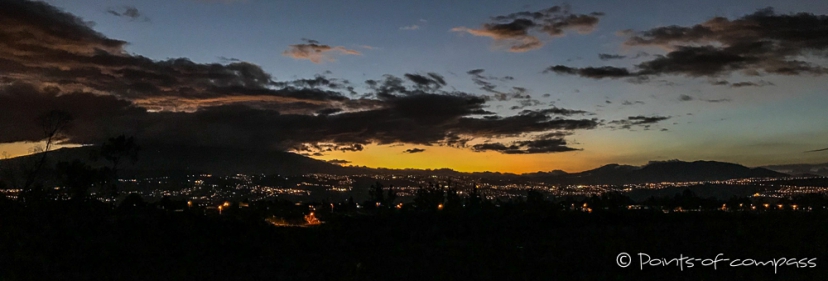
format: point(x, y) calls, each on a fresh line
point(517, 32)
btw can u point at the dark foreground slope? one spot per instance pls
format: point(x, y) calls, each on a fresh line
point(95, 243)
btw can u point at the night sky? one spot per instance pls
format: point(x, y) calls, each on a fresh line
point(509, 86)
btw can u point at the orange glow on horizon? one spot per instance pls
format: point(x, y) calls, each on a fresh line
point(462, 159)
point(16, 149)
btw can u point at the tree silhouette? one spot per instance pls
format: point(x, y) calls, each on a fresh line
point(534, 197)
point(52, 124)
point(474, 201)
point(350, 204)
point(384, 196)
point(132, 203)
point(115, 151)
point(610, 201)
point(814, 200)
point(536, 202)
point(8, 177)
point(429, 198)
point(390, 196)
point(77, 177)
point(376, 194)
point(453, 200)
point(738, 203)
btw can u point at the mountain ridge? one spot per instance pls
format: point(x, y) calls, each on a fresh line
point(188, 159)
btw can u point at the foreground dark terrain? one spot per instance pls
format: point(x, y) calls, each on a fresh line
point(94, 241)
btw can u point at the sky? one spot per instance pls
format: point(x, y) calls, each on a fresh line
point(508, 86)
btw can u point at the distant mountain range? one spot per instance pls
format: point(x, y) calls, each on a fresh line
point(658, 171)
point(801, 169)
point(190, 160)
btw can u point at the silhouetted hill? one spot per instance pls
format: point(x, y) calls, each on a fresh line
point(608, 171)
point(801, 169)
point(180, 160)
point(658, 171)
point(190, 159)
point(698, 170)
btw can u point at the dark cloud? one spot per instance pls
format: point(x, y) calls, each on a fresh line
point(28, 25)
point(44, 46)
point(719, 82)
point(430, 81)
point(95, 116)
point(718, 100)
point(526, 102)
point(760, 83)
point(339, 161)
point(390, 86)
point(475, 71)
point(760, 43)
point(317, 82)
point(540, 145)
point(640, 121)
point(556, 111)
point(414, 150)
point(400, 119)
point(515, 31)
point(52, 60)
point(522, 123)
point(591, 72)
point(319, 149)
point(610, 57)
point(316, 52)
point(685, 98)
point(487, 84)
point(226, 59)
point(641, 55)
point(128, 12)
point(437, 78)
point(626, 102)
point(351, 147)
point(689, 61)
point(695, 62)
point(817, 150)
